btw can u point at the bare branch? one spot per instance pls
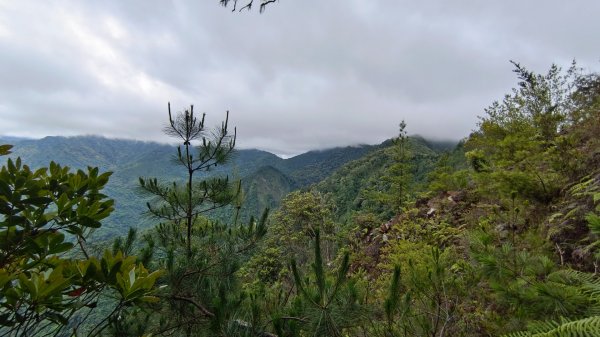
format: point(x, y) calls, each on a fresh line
point(191, 301)
point(248, 4)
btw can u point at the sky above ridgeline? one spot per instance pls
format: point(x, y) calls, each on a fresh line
point(305, 74)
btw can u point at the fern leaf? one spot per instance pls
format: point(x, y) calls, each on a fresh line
point(593, 223)
point(585, 327)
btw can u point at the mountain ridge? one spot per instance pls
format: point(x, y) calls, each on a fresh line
point(131, 159)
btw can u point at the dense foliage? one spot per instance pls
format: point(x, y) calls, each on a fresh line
point(498, 236)
point(46, 289)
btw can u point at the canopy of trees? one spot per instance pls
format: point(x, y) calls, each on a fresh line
point(499, 236)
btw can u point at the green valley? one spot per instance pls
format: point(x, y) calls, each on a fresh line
point(497, 235)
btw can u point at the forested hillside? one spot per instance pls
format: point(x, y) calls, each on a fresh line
point(497, 236)
point(349, 186)
point(130, 160)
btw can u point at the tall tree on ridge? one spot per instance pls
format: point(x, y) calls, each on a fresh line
point(400, 173)
point(183, 204)
point(390, 193)
point(200, 291)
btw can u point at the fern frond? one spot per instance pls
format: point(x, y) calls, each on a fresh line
point(518, 334)
point(593, 222)
point(540, 327)
point(585, 327)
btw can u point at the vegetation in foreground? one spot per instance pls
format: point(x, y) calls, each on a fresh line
point(499, 237)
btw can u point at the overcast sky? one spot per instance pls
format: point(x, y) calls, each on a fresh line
point(306, 74)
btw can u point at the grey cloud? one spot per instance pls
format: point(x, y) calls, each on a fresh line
point(305, 74)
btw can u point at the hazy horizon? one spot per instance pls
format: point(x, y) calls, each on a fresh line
point(303, 75)
point(174, 143)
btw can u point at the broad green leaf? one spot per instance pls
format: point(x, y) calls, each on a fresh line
point(5, 189)
point(89, 222)
point(5, 149)
point(5, 277)
point(54, 284)
point(37, 201)
point(132, 276)
point(28, 285)
point(60, 248)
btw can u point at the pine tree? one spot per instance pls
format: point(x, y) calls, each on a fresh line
point(201, 294)
point(327, 305)
point(400, 173)
point(184, 204)
point(392, 191)
point(517, 145)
